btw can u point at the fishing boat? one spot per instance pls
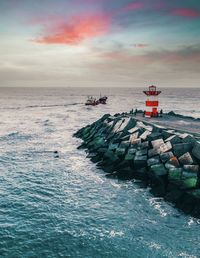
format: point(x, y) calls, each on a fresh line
point(91, 101)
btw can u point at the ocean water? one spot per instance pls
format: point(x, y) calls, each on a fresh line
point(66, 207)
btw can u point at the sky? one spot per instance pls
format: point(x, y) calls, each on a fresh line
point(99, 43)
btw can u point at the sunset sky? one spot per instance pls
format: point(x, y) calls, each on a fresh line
point(100, 43)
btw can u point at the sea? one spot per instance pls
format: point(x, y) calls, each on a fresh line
point(62, 205)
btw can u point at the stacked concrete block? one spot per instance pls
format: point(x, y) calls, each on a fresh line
point(174, 174)
point(181, 148)
point(134, 137)
point(158, 170)
point(124, 124)
point(153, 152)
point(153, 161)
point(144, 145)
point(157, 143)
point(173, 139)
point(125, 147)
point(172, 162)
point(144, 135)
point(186, 159)
point(165, 147)
point(166, 156)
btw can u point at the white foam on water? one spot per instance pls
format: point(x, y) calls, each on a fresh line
point(156, 203)
point(114, 233)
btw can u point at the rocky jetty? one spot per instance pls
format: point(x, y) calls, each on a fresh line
point(165, 159)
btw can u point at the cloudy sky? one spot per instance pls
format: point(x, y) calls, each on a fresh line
point(100, 43)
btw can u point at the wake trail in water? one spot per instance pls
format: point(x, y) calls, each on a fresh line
point(41, 106)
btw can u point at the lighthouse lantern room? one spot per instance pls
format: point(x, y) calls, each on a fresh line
point(152, 102)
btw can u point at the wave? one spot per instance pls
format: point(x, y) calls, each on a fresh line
point(15, 136)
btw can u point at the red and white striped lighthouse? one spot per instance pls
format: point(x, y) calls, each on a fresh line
point(152, 102)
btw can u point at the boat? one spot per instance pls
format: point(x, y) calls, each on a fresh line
point(102, 100)
point(91, 101)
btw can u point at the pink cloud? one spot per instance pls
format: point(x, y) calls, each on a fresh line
point(78, 29)
point(186, 12)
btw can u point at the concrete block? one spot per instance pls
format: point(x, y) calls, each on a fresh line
point(182, 135)
point(117, 125)
point(187, 174)
point(117, 138)
point(129, 156)
point(135, 142)
point(153, 152)
point(172, 162)
point(109, 123)
point(174, 174)
point(113, 146)
point(125, 122)
point(196, 150)
point(189, 183)
point(158, 170)
point(110, 118)
point(144, 145)
point(110, 136)
point(144, 126)
point(141, 152)
point(131, 124)
point(169, 166)
point(124, 144)
point(173, 139)
point(153, 161)
point(154, 136)
point(86, 130)
point(125, 137)
point(144, 135)
point(97, 142)
point(186, 159)
point(132, 151)
point(120, 151)
point(167, 133)
point(134, 137)
point(140, 161)
point(133, 130)
point(157, 143)
point(165, 147)
point(166, 156)
point(188, 138)
point(181, 148)
point(143, 157)
point(191, 168)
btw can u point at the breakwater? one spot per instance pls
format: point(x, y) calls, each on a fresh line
point(167, 160)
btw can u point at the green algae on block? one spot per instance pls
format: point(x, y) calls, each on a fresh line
point(174, 174)
point(189, 182)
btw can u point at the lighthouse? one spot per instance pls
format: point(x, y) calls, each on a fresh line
point(152, 101)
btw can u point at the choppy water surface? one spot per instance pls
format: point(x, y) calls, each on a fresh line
point(65, 207)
